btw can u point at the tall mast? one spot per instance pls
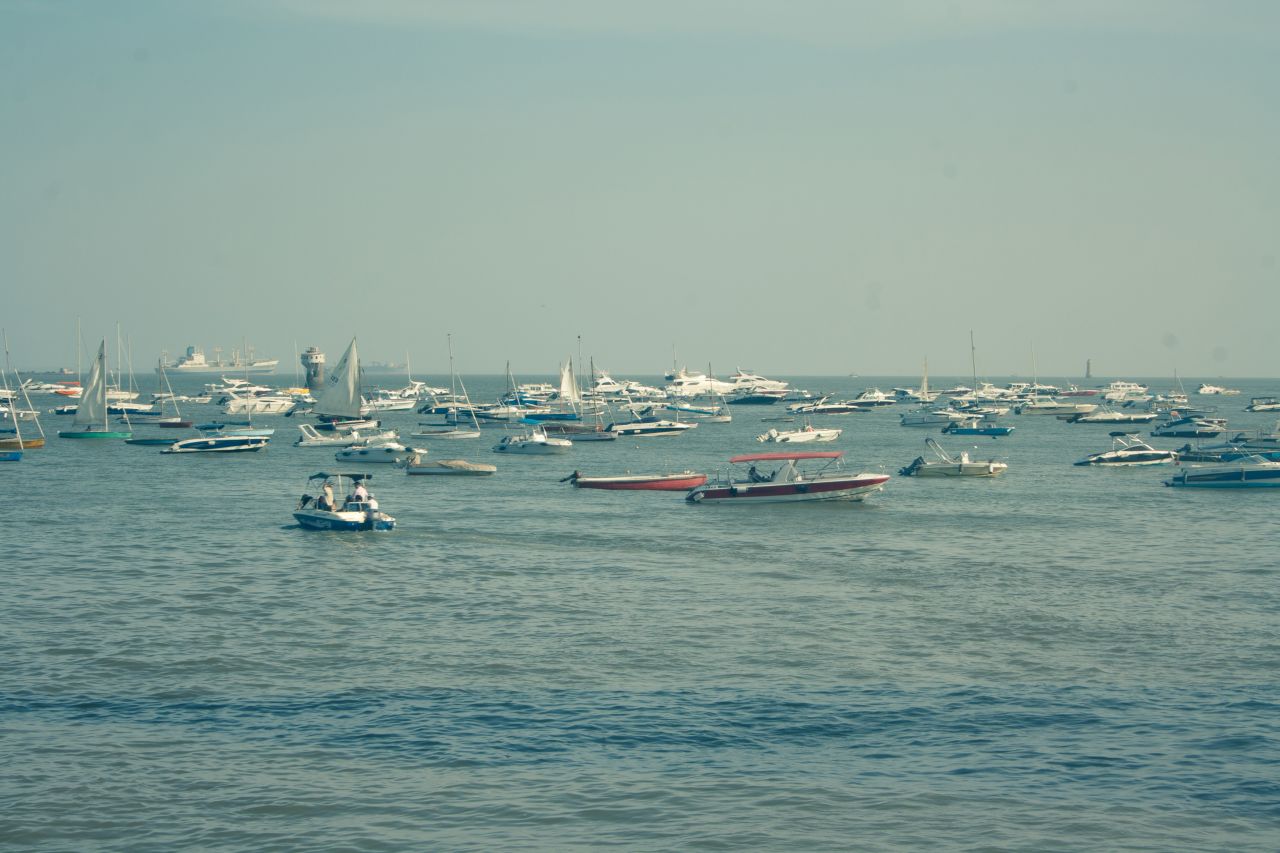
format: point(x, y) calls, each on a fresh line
point(973, 360)
point(10, 400)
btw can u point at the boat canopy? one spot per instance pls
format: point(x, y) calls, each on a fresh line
point(783, 456)
point(350, 475)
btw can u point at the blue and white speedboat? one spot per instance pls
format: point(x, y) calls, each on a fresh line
point(341, 502)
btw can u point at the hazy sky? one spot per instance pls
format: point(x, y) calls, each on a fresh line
point(794, 187)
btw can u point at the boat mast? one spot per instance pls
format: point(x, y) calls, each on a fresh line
point(8, 398)
point(973, 360)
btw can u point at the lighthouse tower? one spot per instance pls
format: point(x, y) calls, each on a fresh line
point(313, 363)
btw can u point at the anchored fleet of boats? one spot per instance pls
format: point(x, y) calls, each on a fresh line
point(540, 418)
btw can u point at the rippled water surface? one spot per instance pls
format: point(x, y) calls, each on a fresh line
point(1061, 658)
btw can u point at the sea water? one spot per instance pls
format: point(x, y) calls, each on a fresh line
point(1058, 658)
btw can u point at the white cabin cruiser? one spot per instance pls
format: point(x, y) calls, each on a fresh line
point(1129, 450)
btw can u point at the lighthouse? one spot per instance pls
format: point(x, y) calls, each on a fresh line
point(313, 363)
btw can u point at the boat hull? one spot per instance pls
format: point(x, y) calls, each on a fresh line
point(219, 444)
point(20, 443)
point(961, 469)
point(10, 455)
point(94, 434)
point(344, 521)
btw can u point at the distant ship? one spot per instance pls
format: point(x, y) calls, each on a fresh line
point(195, 362)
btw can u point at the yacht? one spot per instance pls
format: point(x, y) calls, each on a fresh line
point(1216, 390)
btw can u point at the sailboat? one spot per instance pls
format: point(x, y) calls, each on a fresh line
point(11, 448)
point(338, 405)
point(456, 431)
point(91, 411)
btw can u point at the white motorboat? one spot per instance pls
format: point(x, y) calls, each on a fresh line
point(536, 442)
point(1051, 406)
point(1123, 391)
point(386, 452)
point(312, 437)
point(1263, 404)
point(946, 465)
point(647, 428)
point(357, 511)
point(267, 404)
point(806, 434)
point(931, 417)
point(1107, 415)
point(1129, 450)
point(1216, 390)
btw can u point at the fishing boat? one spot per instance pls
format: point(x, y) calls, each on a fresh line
point(219, 444)
point(946, 465)
point(357, 511)
point(815, 475)
point(1128, 450)
point(976, 426)
point(805, 434)
point(1250, 472)
point(678, 482)
point(91, 411)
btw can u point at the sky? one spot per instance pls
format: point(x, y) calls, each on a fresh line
point(799, 188)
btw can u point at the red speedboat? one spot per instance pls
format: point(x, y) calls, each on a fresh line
point(819, 476)
point(683, 481)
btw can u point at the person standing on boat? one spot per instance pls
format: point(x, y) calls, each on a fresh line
point(327, 499)
point(361, 494)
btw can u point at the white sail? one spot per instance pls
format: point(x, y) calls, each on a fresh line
point(569, 384)
point(340, 397)
point(91, 409)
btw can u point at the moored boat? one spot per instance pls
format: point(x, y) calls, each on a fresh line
point(946, 465)
point(819, 477)
point(1129, 450)
point(219, 444)
point(1250, 472)
point(677, 482)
